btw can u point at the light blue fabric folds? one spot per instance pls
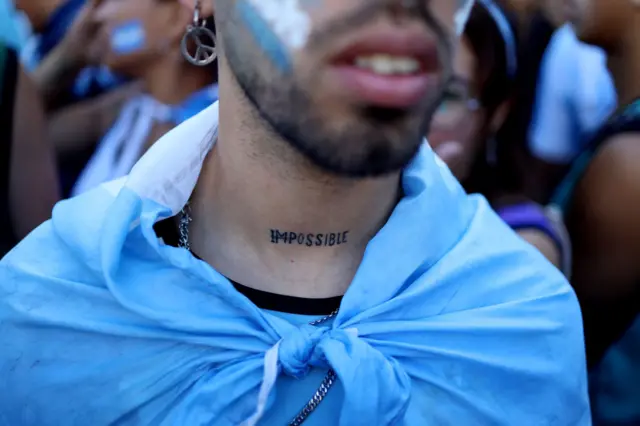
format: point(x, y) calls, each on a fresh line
point(450, 320)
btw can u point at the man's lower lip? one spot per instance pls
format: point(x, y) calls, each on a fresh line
point(389, 91)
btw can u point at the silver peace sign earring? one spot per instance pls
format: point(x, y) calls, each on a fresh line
point(202, 38)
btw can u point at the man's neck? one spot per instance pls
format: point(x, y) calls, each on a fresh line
point(268, 219)
point(171, 81)
point(624, 65)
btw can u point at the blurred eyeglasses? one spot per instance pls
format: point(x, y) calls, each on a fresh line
point(457, 102)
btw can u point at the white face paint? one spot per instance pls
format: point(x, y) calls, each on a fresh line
point(292, 24)
point(287, 19)
point(462, 15)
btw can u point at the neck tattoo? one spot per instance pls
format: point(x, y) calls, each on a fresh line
point(184, 220)
point(328, 239)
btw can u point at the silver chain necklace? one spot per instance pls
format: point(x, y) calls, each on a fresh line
point(184, 220)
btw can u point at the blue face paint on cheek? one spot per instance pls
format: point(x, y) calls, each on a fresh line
point(128, 37)
point(264, 35)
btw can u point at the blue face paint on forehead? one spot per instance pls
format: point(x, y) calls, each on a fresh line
point(128, 37)
point(264, 35)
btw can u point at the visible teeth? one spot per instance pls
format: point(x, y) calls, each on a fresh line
point(387, 64)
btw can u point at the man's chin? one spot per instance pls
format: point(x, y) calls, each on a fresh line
point(376, 146)
point(374, 162)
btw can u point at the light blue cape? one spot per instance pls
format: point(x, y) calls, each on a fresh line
point(102, 323)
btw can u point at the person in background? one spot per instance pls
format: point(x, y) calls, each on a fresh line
point(464, 131)
point(49, 20)
point(28, 187)
point(564, 93)
point(79, 94)
point(142, 40)
point(325, 267)
point(56, 56)
point(600, 197)
point(574, 96)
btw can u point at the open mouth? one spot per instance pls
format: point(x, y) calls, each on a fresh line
point(392, 69)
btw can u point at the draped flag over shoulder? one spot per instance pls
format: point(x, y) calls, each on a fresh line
point(450, 320)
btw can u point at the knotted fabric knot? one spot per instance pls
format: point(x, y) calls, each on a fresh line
point(299, 352)
point(295, 354)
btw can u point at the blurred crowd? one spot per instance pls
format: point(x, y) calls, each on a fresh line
point(540, 117)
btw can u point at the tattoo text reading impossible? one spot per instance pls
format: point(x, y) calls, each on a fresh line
point(310, 240)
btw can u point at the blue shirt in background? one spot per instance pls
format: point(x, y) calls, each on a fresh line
point(91, 81)
point(9, 34)
point(575, 95)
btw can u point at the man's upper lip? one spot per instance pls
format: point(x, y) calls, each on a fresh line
point(396, 42)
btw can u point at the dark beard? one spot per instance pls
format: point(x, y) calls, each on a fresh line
point(377, 141)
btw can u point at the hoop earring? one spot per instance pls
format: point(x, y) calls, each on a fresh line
point(203, 38)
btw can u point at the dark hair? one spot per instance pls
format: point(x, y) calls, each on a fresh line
point(497, 82)
point(490, 48)
point(512, 138)
point(210, 24)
